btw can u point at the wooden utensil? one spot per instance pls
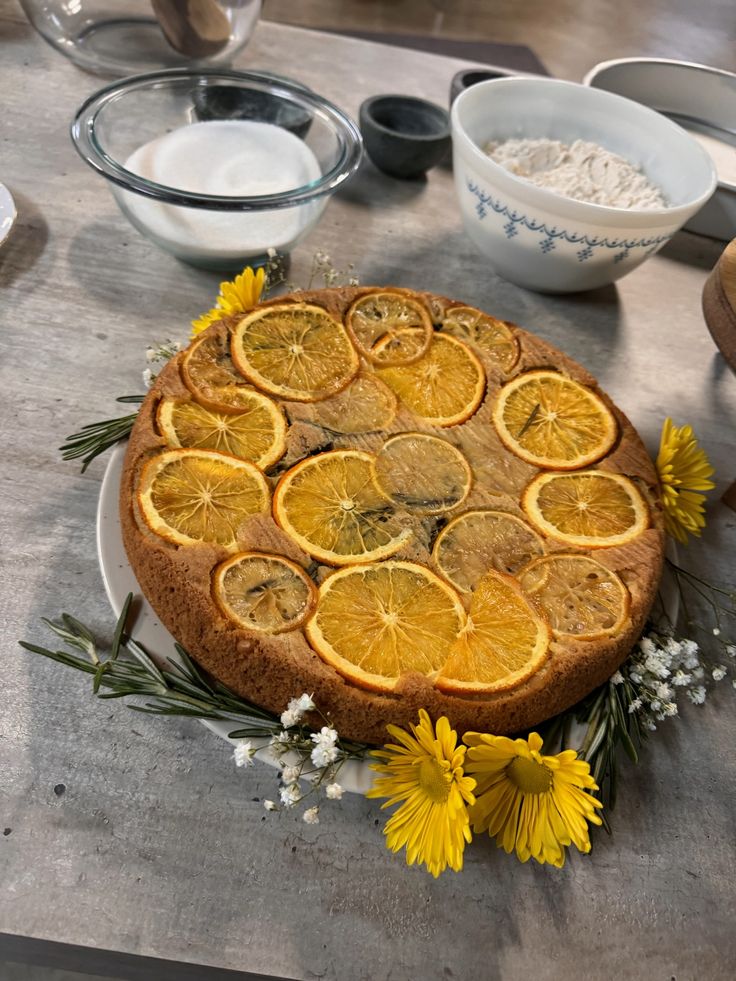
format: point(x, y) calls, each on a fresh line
point(719, 304)
point(195, 28)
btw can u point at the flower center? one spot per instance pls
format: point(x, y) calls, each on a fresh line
point(529, 776)
point(434, 781)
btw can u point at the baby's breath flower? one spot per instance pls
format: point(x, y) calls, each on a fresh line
point(290, 774)
point(634, 705)
point(731, 650)
point(719, 672)
point(311, 816)
point(716, 632)
point(296, 709)
point(270, 806)
point(243, 753)
point(662, 690)
point(148, 377)
point(334, 791)
point(325, 751)
point(697, 695)
point(617, 678)
point(290, 795)
point(681, 678)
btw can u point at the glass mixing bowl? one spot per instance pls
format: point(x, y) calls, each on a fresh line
point(119, 37)
point(308, 136)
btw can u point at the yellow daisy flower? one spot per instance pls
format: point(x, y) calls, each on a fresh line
point(425, 772)
point(238, 296)
point(683, 469)
point(532, 804)
point(203, 322)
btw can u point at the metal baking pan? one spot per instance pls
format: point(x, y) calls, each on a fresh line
point(702, 100)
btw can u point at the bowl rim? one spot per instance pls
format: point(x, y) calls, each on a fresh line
point(84, 137)
point(441, 114)
point(690, 67)
point(585, 211)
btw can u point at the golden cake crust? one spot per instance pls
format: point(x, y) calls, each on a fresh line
point(269, 670)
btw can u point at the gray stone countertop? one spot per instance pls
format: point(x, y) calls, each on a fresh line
point(137, 836)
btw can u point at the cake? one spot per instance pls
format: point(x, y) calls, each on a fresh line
point(391, 500)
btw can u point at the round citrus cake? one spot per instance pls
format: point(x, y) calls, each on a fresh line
point(392, 501)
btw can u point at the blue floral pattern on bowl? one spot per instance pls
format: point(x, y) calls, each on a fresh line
point(549, 238)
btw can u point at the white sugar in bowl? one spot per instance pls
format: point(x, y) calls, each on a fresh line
point(539, 239)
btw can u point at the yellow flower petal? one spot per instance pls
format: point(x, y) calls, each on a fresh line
point(684, 471)
point(536, 807)
point(238, 296)
point(423, 773)
point(203, 322)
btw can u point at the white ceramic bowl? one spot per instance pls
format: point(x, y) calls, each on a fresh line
point(539, 239)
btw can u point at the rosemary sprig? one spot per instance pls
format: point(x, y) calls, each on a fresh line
point(178, 689)
point(97, 437)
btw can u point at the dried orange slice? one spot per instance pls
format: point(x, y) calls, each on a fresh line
point(294, 350)
point(445, 387)
point(478, 541)
point(581, 597)
point(424, 474)
point(208, 372)
point(593, 509)
point(189, 496)
point(504, 641)
point(256, 432)
point(493, 338)
point(552, 421)
point(330, 506)
point(374, 623)
point(365, 406)
point(263, 592)
point(389, 328)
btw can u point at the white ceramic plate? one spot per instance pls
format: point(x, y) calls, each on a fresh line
point(355, 776)
point(8, 214)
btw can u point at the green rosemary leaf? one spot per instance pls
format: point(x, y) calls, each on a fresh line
point(96, 437)
point(101, 668)
point(61, 657)
point(117, 637)
point(597, 740)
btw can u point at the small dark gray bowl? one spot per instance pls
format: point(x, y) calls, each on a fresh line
point(471, 76)
point(404, 136)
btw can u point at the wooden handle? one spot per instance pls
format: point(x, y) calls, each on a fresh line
point(195, 28)
point(719, 304)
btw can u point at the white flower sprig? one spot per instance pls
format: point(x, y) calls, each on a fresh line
point(158, 356)
point(660, 669)
point(303, 755)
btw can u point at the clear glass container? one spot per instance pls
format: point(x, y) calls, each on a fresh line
point(214, 228)
point(121, 37)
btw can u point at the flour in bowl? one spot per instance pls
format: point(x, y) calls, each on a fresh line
point(581, 170)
